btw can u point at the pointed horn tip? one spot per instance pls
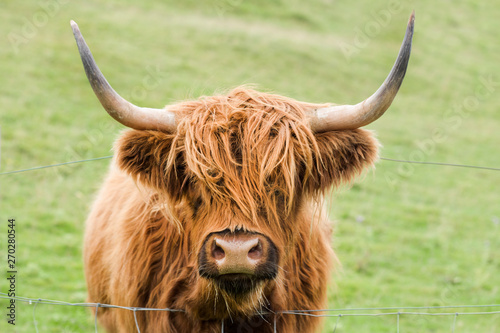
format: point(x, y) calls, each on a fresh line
point(74, 26)
point(325, 122)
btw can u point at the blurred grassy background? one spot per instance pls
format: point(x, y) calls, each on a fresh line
point(407, 235)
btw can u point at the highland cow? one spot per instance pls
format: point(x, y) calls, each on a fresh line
point(213, 207)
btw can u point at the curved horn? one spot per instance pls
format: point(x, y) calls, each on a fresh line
point(343, 117)
point(120, 109)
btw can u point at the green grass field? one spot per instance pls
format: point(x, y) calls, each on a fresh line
point(407, 235)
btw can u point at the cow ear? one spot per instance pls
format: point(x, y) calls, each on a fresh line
point(341, 157)
point(151, 158)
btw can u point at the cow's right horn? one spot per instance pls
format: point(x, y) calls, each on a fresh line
point(344, 117)
point(119, 108)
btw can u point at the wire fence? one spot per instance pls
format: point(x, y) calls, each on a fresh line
point(382, 158)
point(441, 164)
point(55, 165)
point(398, 312)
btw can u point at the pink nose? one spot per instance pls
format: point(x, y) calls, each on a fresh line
point(237, 253)
point(236, 260)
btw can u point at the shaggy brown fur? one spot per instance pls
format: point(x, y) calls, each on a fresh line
point(244, 160)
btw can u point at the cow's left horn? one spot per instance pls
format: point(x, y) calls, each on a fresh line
point(343, 117)
point(119, 108)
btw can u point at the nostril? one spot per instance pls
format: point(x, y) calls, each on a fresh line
point(217, 251)
point(255, 252)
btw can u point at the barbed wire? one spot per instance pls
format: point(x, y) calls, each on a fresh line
point(313, 313)
point(338, 313)
point(382, 158)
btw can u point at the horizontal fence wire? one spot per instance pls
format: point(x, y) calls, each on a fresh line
point(441, 164)
point(55, 165)
point(382, 158)
point(339, 313)
point(459, 310)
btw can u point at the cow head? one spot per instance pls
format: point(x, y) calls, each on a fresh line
point(238, 176)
